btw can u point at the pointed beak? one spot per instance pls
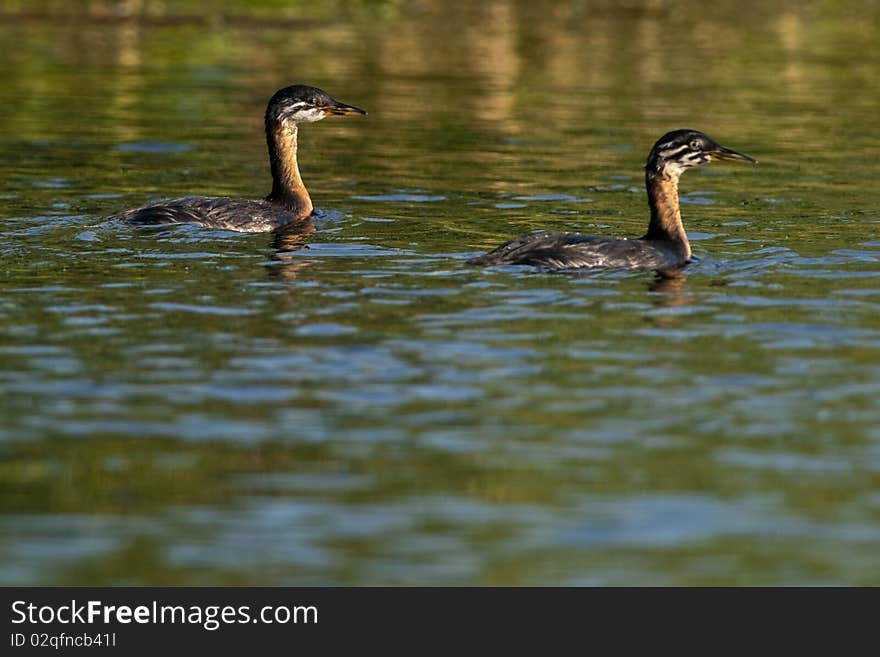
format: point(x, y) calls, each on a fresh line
point(730, 155)
point(341, 109)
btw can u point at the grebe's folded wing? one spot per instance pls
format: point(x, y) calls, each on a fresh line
point(239, 214)
point(574, 251)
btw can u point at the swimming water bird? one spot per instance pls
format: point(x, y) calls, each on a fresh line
point(289, 201)
point(664, 247)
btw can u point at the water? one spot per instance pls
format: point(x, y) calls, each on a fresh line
point(185, 406)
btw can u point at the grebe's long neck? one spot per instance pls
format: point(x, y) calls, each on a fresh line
point(666, 222)
point(287, 185)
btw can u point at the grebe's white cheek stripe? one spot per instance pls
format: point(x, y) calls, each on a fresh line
point(674, 168)
point(669, 153)
point(308, 115)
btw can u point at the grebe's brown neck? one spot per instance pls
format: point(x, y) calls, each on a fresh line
point(287, 185)
point(666, 225)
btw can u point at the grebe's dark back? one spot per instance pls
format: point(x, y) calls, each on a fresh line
point(664, 247)
point(289, 201)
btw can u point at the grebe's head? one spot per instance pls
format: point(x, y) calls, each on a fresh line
point(303, 104)
point(682, 149)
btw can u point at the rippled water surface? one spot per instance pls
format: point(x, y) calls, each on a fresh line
point(187, 406)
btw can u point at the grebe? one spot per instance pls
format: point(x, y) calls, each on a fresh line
point(287, 204)
point(664, 247)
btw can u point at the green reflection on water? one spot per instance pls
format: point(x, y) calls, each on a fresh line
point(187, 407)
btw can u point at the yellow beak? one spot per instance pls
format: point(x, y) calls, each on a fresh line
point(730, 155)
point(341, 109)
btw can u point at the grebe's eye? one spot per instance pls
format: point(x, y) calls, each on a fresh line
point(696, 145)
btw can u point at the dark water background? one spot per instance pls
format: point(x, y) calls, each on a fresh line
point(184, 406)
